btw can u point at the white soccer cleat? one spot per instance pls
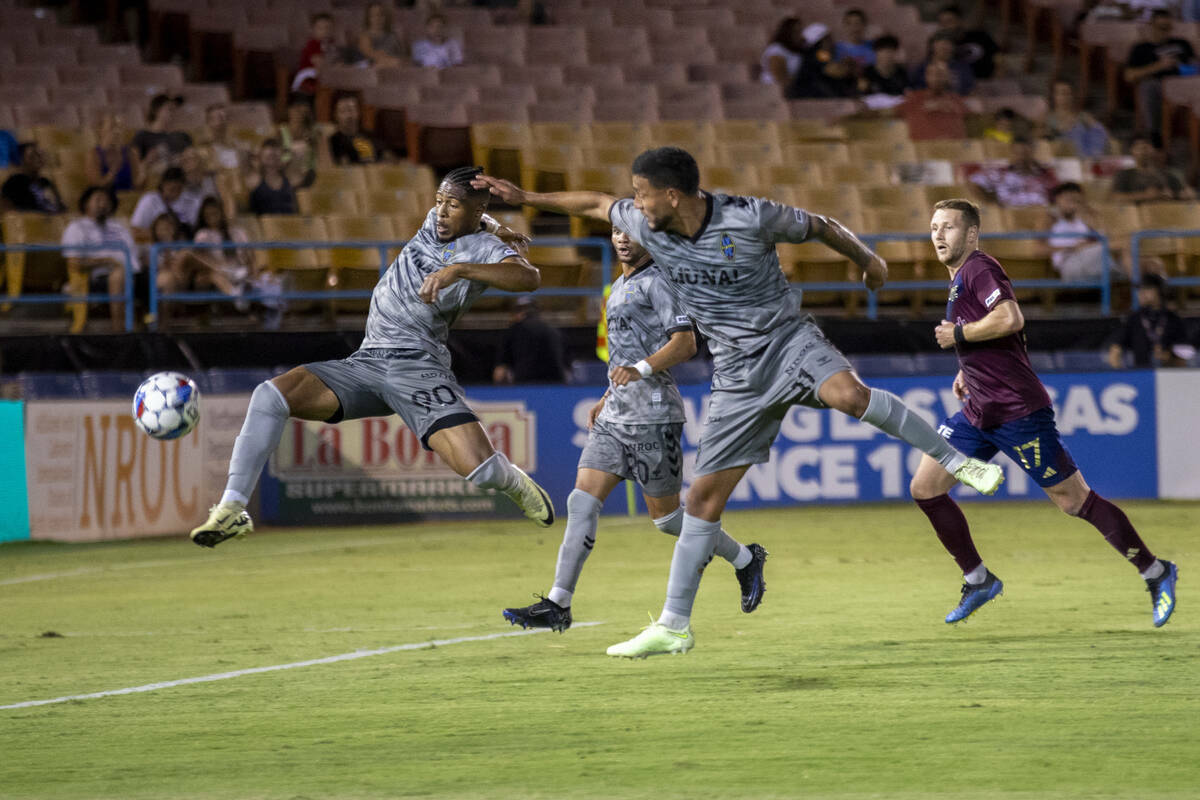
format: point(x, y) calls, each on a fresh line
point(533, 500)
point(225, 521)
point(980, 475)
point(655, 639)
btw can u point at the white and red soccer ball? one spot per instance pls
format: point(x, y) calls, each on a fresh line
point(167, 405)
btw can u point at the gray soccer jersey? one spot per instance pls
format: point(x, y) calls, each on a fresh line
point(399, 319)
point(642, 313)
point(728, 275)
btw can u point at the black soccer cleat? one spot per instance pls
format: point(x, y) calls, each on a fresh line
point(542, 614)
point(754, 586)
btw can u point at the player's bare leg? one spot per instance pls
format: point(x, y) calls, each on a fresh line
point(846, 393)
point(930, 489)
point(671, 633)
point(297, 393)
point(1077, 499)
point(467, 450)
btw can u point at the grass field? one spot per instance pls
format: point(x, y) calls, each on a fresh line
point(844, 684)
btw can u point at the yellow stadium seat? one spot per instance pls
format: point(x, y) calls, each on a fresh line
point(353, 179)
point(747, 132)
point(395, 203)
point(888, 151)
point(955, 150)
point(43, 272)
point(810, 130)
point(821, 153)
point(359, 268)
point(878, 130)
point(319, 202)
point(631, 135)
point(860, 172)
point(791, 173)
point(305, 269)
point(496, 146)
point(741, 179)
point(841, 202)
point(417, 178)
point(695, 137)
point(1182, 216)
point(546, 134)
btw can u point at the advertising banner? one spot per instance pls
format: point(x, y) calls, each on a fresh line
point(374, 470)
point(94, 475)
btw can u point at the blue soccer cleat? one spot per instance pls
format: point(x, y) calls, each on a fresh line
point(1162, 593)
point(974, 596)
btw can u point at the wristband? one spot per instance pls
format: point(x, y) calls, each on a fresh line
point(959, 336)
point(644, 369)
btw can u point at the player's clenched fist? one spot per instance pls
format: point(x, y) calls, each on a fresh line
point(436, 281)
point(620, 376)
point(944, 333)
point(875, 273)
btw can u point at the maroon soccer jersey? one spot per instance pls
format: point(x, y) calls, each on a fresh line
point(1001, 382)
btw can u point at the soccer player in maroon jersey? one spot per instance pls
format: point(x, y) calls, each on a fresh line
point(1005, 407)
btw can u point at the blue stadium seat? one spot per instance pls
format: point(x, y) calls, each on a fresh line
point(99, 384)
point(589, 372)
point(50, 385)
point(883, 365)
point(698, 370)
point(235, 380)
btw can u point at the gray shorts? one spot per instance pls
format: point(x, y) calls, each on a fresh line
point(648, 454)
point(411, 383)
point(751, 398)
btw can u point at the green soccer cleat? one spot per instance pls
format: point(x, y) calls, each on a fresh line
point(655, 639)
point(533, 500)
point(225, 521)
point(979, 475)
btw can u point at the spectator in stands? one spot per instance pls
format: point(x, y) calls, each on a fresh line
point(781, 60)
point(886, 75)
point(301, 142)
point(821, 74)
point(935, 112)
point(1074, 253)
point(166, 200)
point(1022, 182)
point(1067, 122)
point(378, 42)
point(941, 48)
point(974, 47)
point(228, 270)
point(113, 163)
point(104, 270)
point(10, 150)
point(349, 144)
point(436, 50)
point(320, 49)
point(532, 351)
point(853, 46)
point(223, 151)
point(272, 192)
point(1154, 334)
point(1148, 180)
point(157, 144)
point(29, 189)
point(1157, 56)
point(198, 184)
point(1003, 127)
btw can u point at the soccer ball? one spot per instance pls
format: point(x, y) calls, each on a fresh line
point(167, 405)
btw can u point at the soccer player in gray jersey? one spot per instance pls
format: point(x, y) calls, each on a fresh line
point(718, 253)
point(634, 435)
point(403, 364)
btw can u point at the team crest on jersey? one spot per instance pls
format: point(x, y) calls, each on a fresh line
point(448, 251)
point(953, 293)
point(727, 246)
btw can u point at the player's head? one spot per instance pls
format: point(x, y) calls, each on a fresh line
point(663, 177)
point(96, 202)
point(628, 251)
point(458, 204)
point(954, 230)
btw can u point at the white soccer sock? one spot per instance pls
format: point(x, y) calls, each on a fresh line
point(560, 597)
point(976, 576)
point(232, 496)
point(1154, 571)
point(676, 622)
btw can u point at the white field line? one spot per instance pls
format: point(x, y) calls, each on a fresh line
point(199, 561)
point(221, 676)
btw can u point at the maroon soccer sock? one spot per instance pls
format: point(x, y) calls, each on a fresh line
point(952, 530)
point(1117, 529)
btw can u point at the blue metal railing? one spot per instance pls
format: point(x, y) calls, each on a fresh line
point(381, 246)
point(60, 297)
point(1135, 251)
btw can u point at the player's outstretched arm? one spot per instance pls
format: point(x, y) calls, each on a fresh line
point(1002, 320)
point(594, 205)
point(512, 275)
point(679, 348)
point(836, 236)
